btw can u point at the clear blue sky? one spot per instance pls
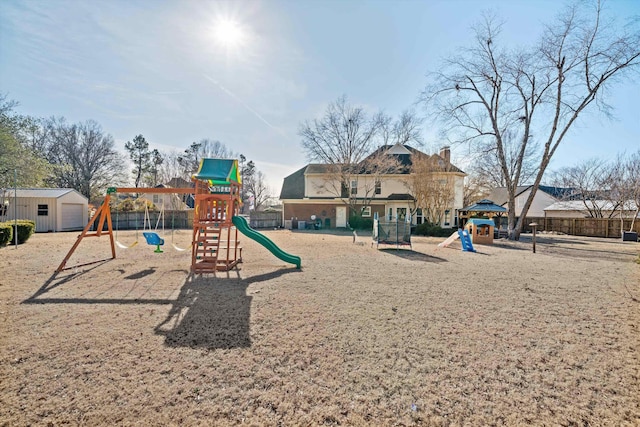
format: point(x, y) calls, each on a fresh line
point(155, 68)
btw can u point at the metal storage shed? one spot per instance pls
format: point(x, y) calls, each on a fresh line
point(52, 209)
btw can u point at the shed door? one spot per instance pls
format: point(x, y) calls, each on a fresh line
point(72, 216)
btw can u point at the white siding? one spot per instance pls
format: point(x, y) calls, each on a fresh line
point(71, 216)
point(540, 201)
point(27, 208)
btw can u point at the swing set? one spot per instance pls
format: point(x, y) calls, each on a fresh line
point(214, 246)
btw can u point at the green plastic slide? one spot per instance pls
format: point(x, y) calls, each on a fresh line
point(243, 227)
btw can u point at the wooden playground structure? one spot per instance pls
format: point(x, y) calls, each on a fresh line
point(214, 243)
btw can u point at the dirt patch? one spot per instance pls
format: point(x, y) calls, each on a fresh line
point(359, 336)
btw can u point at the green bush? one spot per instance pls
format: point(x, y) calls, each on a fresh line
point(427, 229)
point(359, 223)
point(25, 228)
point(6, 233)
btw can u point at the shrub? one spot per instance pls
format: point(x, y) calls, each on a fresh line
point(359, 223)
point(25, 228)
point(427, 229)
point(6, 233)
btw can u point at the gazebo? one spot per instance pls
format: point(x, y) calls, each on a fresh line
point(484, 208)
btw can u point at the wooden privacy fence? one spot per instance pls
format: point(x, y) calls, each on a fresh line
point(184, 220)
point(265, 219)
point(589, 227)
point(135, 220)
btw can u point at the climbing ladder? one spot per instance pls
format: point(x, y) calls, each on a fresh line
point(215, 240)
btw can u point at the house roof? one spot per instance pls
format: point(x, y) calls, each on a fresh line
point(500, 195)
point(579, 205)
point(293, 185)
point(403, 154)
point(40, 192)
point(398, 196)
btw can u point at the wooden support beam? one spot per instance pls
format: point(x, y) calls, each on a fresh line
point(154, 190)
point(100, 216)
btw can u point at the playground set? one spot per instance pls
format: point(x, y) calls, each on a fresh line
point(214, 245)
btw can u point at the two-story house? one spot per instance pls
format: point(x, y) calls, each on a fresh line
point(320, 192)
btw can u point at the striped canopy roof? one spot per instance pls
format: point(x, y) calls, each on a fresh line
point(219, 171)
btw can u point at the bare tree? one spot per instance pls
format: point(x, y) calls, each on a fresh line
point(431, 186)
point(625, 186)
point(353, 148)
point(633, 183)
point(170, 167)
point(489, 94)
point(258, 190)
point(591, 183)
point(84, 157)
point(205, 149)
point(476, 187)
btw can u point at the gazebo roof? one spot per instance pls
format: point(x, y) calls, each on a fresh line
point(484, 205)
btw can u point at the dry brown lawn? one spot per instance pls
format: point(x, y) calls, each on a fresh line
point(359, 336)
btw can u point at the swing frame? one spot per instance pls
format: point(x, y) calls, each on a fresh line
point(102, 216)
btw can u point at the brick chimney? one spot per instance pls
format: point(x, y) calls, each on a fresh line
point(445, 153)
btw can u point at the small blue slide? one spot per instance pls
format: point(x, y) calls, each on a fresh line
point(244, 228)
point(465, 239)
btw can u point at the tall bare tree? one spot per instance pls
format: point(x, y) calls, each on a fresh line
point(431, 186)
point(591, 184)
point(206, 148)
point(353, 146)
point(84, 157)
point(491, 94)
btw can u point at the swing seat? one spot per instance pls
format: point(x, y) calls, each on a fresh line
point(154, 239)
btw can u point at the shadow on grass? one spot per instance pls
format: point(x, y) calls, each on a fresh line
point(412, 255)
point(212, 313)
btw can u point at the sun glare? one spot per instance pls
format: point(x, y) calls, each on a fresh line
point(228, 34)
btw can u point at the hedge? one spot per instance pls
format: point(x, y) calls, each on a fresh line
point(6, 234)
point(359, 223)
point(426, 229)
point(25, 228)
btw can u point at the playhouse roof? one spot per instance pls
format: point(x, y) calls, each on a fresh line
point(219, 171)
point(481, 221)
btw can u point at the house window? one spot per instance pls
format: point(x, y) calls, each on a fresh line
point(366, 211)
point(344, 191)
point(354, 187)
point(378, 187)
point(156, 199)
point(418, 216)
point(402, 214)
point(43, 210)
point(447, 217)
point(3, 209)
point(390, 214)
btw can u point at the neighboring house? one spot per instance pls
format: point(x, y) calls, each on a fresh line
point(311, 191)
point(52, 209)
point(545, 196)
point(578, 209)
point(171, 202)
